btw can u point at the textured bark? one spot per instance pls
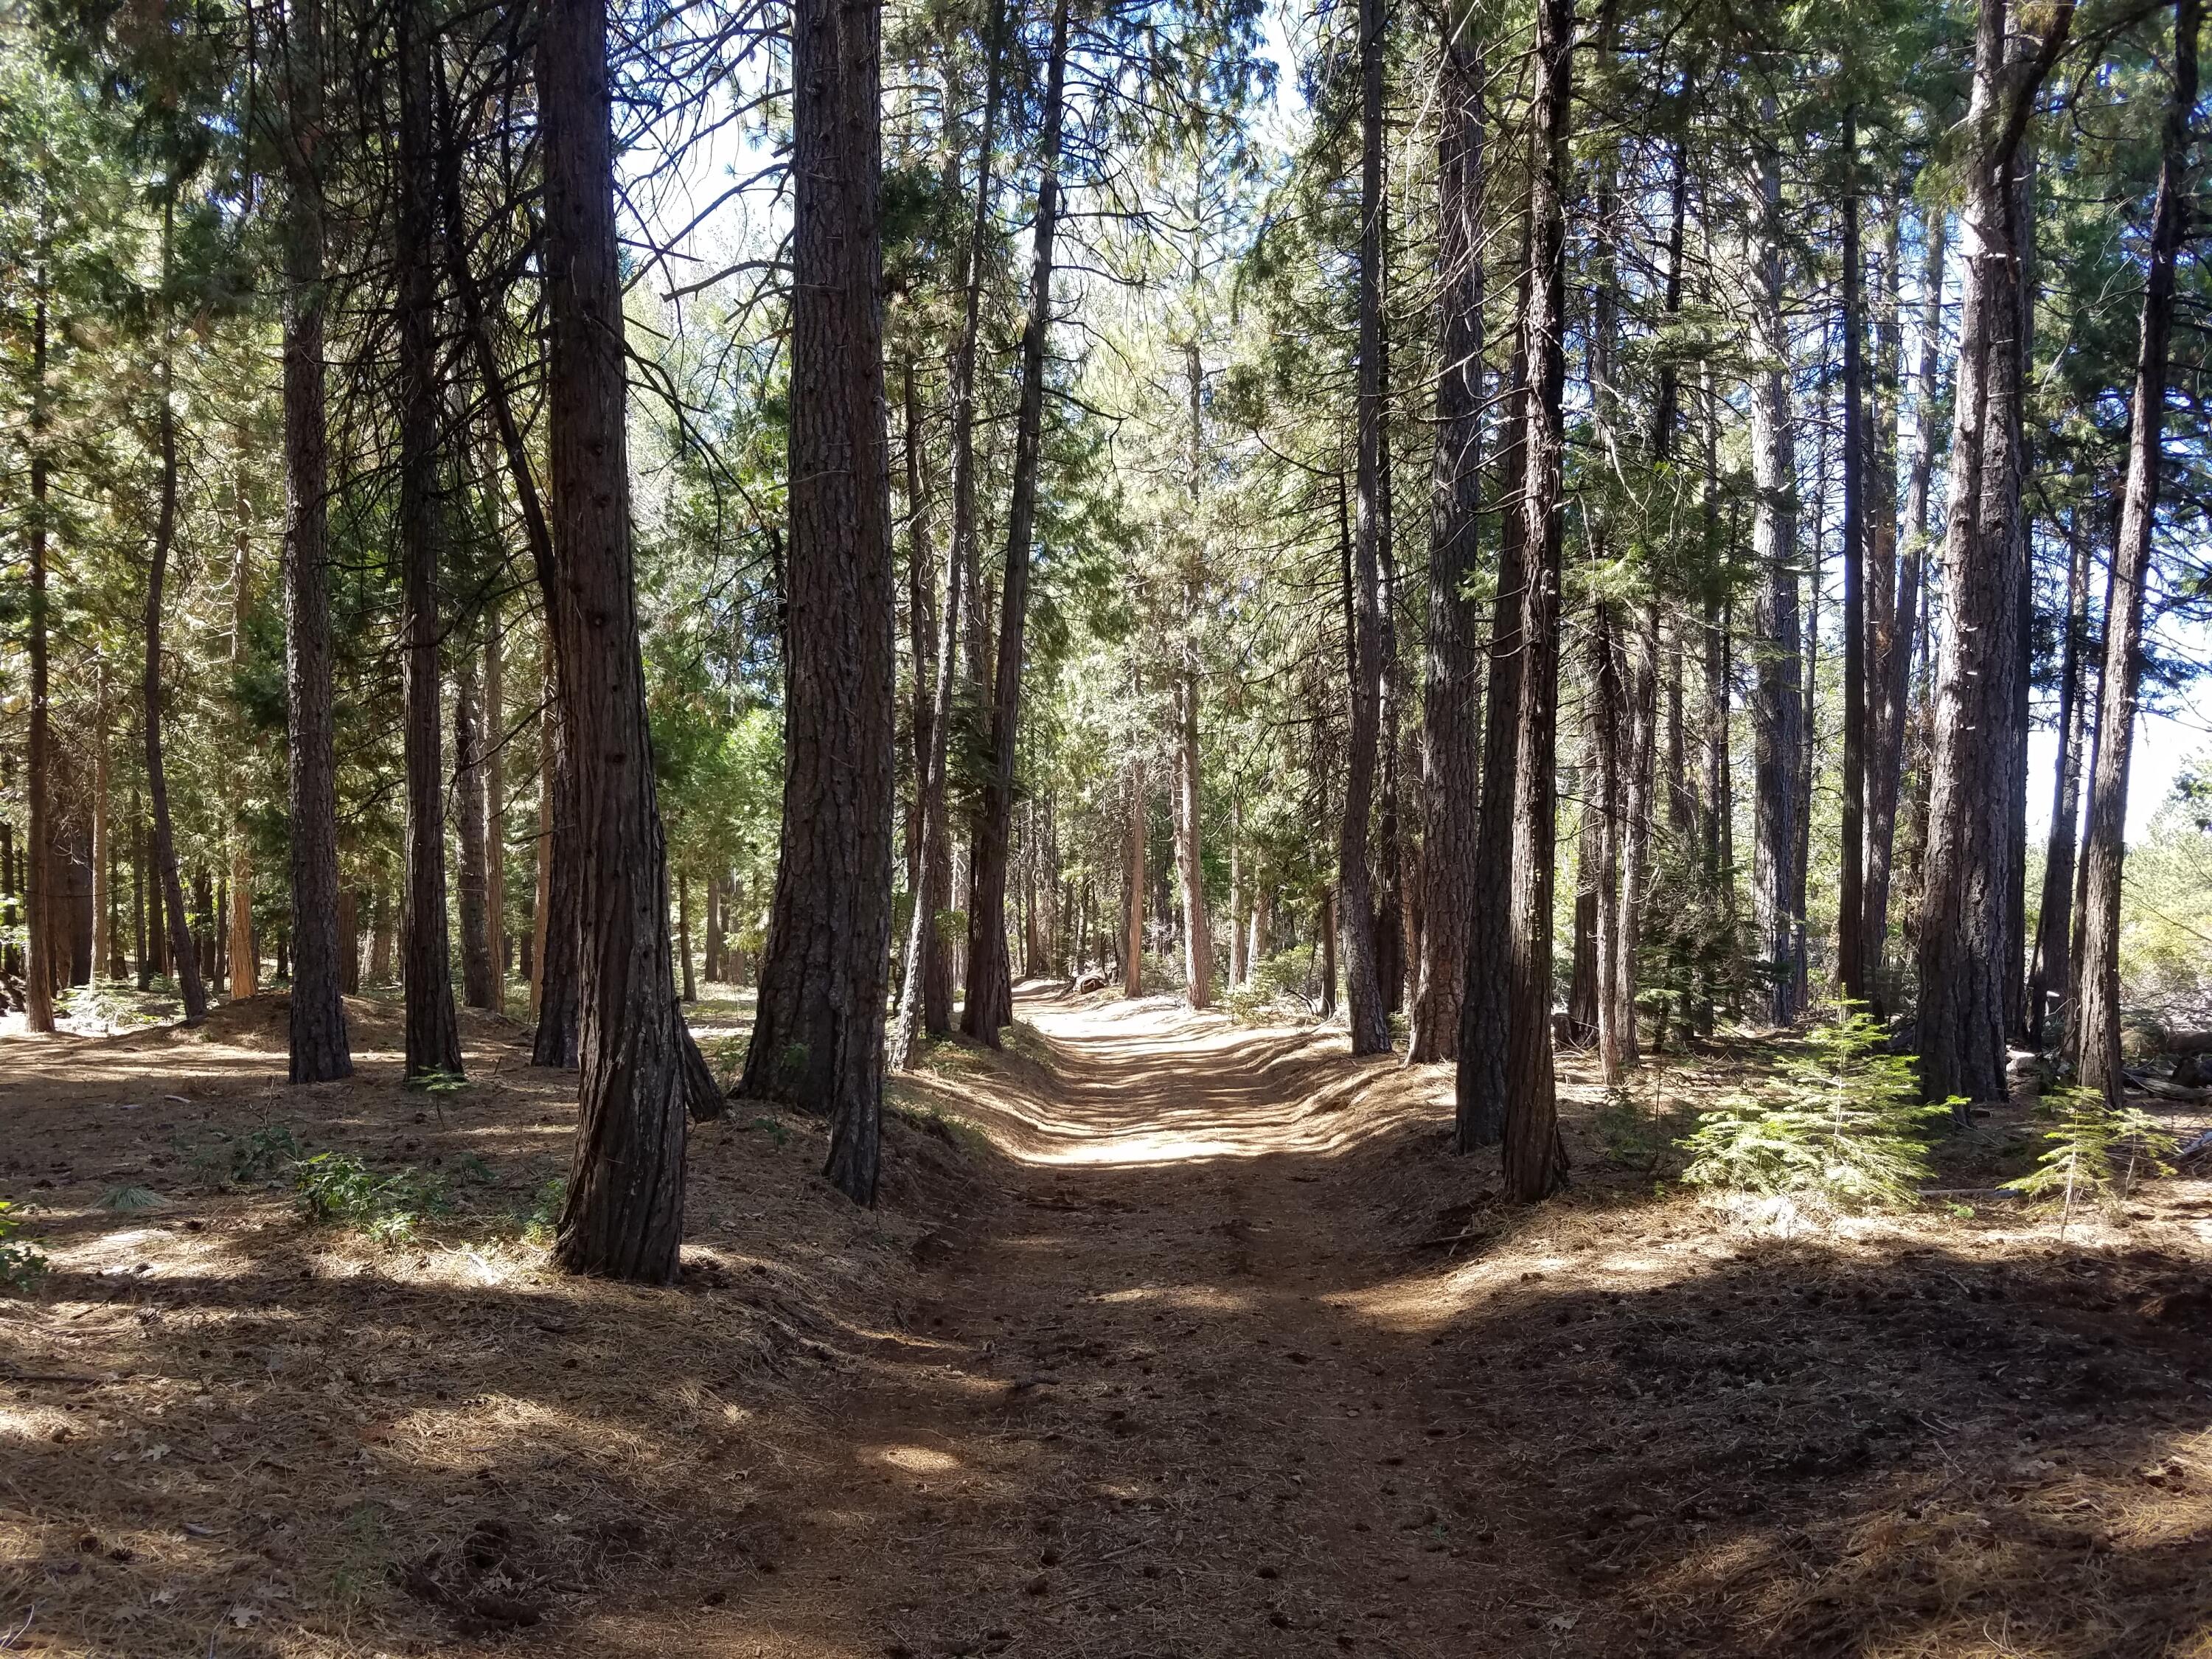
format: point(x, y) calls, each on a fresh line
point(1970, 967)
point(2097, 1028)
point(1481, 1084)
point(1778, 727)
point(1535, 1160)
point(2053, 967)
point(623, 1216)
point(433, 1041)
point(1451, 730)
point(1853, 979)
point(818, 1039)
point(317, 1022)
point(37, 878)
point(1366, 1010)
point(990, 1002)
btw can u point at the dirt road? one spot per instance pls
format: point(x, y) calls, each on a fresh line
point(1137, 1415)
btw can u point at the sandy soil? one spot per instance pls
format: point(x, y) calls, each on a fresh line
point(1173, 1338)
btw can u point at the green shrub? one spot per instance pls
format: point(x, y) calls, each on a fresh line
point(1842, 1122)
point(22, 1264)
point(338, 1189)
point(2096, 1153)
point(1280, 984)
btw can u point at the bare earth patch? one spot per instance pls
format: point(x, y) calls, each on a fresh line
point(1172, 1338)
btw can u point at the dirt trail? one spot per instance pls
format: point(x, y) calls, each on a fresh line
point(1134, 1417)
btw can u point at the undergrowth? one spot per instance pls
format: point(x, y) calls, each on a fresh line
point(22, 1263)
point(2095, 1154)
point(1840, 1124)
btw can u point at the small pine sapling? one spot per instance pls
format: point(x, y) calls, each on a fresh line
point(2096, 1153)
point(1843, 1122)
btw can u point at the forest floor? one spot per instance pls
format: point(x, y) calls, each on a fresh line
point(1171, 1338)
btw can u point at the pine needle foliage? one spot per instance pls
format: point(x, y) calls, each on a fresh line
point(2096, 1153)
point(1841, 1123)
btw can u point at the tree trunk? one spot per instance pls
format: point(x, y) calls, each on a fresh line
point(1853, 979)
point(1367, 1013)
point(623, 1216)
point(990, 975)
point(683, 936)
point(1894, 595)
point(2051, 971)
point(469, 745)
point(1451, 739)
point(1967, 973)
point(1326, 935)
point(555, 992)
point(102, 852)
point(1239, 961)
point(1132, 965)
point(433, 1040)
point(818, 1039)
point(1778, 726)
point(2097, 1027)
point(38, 880)
point(192, 987)
point(1485, 1022)
point(559, 943)
point(494, 736)
point(320, 1048)
point(1535, 1161)
point(241, 966)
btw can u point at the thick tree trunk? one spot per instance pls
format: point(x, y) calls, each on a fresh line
point(1451, 731)
point(1854, 980)
point(1367, 1014)
point(990, 1003)
point(623, 1216)
point(818, 1039)
point(1778, 726)
point(1535, 1161)
point(1482, 1082)
point(433, 1040)
point(1968, 969)
point(469, 745)
point(2097, 1028)
point(317, 1023)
